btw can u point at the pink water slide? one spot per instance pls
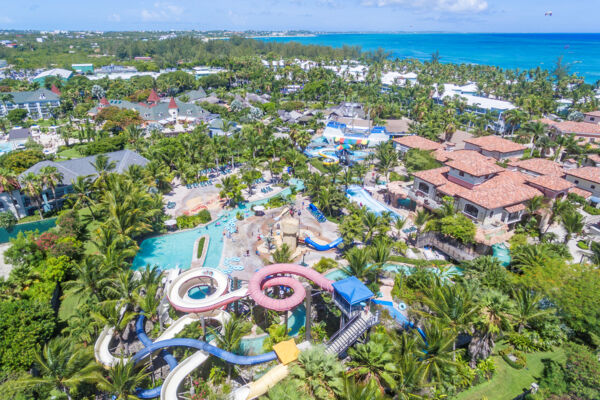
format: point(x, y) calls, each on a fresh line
point(270, 276)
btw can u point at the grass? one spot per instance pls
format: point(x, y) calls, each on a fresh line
point(30, 218)
point(200, 247)
point(318, 165)
point(508, 382)
point(68, 306)
point(68, 154)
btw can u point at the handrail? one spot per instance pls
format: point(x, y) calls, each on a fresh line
point(342, 329)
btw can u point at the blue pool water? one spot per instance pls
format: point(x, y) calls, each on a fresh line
point(199, 292)
point(297, 320)
point(5, 147)
point(360, 196)
point(338, 274)
point(175, 250)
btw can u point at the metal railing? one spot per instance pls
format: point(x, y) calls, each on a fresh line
point(451, 247)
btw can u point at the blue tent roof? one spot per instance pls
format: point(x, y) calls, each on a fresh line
point(352, 290)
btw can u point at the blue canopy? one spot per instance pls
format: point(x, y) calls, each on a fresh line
point(352, 290)
point(595, 199)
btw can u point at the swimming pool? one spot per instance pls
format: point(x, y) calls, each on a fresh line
point(175, 250)
point(5, 147)
point(338, 274)
point(360, 196)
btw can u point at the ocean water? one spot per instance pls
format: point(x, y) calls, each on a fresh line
point(580, 51)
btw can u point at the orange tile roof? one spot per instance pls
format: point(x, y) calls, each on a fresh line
point(539, 166)
point(474, 166)
point(495, 143)
point(593, 113)
point(591, 174)
point(515, 208)
point(583, 193)
point(418, 142)
point(573, 127)
point(501, 196)
point(433, 176)
point(594, 157)
point(552, 182)
point(443, 155)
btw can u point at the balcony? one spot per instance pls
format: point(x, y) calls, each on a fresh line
point(423, 200)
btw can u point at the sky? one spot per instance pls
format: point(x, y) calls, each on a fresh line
point(314, 15)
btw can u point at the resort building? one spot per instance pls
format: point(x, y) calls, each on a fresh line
point(586, 179)
point(38, 103)
point(588, 130)
point(83, 68)
point(592, 117)
point(496, 147)
point(70, 170)
point(159, 111)
point(394, 78)
point(62, 74)
point(405, 143)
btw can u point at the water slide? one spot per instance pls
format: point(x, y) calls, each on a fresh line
point(270, 276)
point(359, 195)
point(329, 158)
point(179, 298)
point(102, 349)
point(178, 374)
point(399, 317)
point(316, 213)
point(323, 247)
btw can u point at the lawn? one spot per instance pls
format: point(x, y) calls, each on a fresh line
point(68, 154)
point(508, 382)
point(318, 165)
point(68, 306)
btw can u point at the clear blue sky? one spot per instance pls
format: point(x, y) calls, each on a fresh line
point(322, 15)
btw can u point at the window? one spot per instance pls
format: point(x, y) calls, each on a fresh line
point(471, 210)
point(460, 173)
point(593, 186)
point(423, 187)
point(576, 181)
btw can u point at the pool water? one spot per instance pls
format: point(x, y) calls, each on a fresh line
point(5, 147)
point(450, 271)
point(336, 275)
point(175, 250)
point(360, 196)
point(199, 292)
point(297, 320)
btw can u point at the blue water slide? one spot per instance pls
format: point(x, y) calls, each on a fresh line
point(323, 247)
point(400, 318)
point(168, 357)
point(208, 348)
point(316, 213)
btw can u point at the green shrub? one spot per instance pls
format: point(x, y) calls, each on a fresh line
point(591, 210)
point(7, 220)
point(520, 361)
point(582, 245)
point(325, 264)
point(191, 221)
point(394, 176)
point(200, 247)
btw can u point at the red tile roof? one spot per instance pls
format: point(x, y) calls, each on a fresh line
point(580, 192)
point(475, 166)
point(495, 143)
point(172, 104)
point(433, 176)
point(573, 127)
point(539, 166)
point(443, 155)
point(153, 98)
point(594, 157)
point(104, 102)
point(591, 174)
point(55, 90)
point(552, 182)
point(515, 208)
point(418, 142)
point(593, 113)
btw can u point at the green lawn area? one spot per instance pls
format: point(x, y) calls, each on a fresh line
point(68, 154)
point(318, 165)
point(68, 306)
point(508, 382)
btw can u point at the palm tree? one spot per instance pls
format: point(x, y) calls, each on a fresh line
point(282, 255)
point(103, 166)
point(437, 356)
point(358, 266)
point(63, 366)
point(149, 302)
point(372, 361)
point(453, 305)
point(573, 223)
point(527, 307)
point(421, 218)
point(318, 373)
point(51, 178)
point(355, 391)
point(9, 181)
point(123, 287)
point(81, 195)
point(493, 320)
point(32, 187)
point(380, 252)
point(91, 279)
point(230, 337)
point(534, 130)
point(122, 381)
point(110, 315)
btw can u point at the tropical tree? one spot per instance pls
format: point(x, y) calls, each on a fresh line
point(437, 355)
point(9, 181)
point(63, 366)
point(230, 337)
point(573, 223)
point(318, 373)
point(373, 361)
point(526, 308)
point(358, 264)
point(122, 381)
point(32, 187)
point(50, 178)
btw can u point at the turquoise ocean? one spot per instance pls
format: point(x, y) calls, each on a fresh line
point(581, 52)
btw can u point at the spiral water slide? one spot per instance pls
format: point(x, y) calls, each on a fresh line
point(178, 292)
point(323, 247)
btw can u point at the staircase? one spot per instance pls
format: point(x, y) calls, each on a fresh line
point(351, 332)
